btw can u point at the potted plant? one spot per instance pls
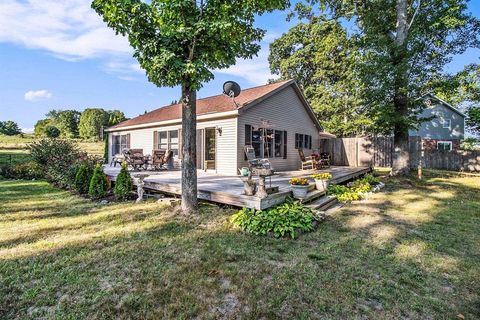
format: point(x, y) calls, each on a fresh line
point(299, 187)
point(321, 180)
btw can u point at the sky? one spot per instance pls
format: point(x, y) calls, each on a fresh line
point(60, 55)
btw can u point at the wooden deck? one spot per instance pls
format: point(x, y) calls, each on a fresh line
point(228, 189)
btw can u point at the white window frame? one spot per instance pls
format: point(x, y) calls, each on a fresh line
point(169, 143)
point(445, 121)
point(445, 142)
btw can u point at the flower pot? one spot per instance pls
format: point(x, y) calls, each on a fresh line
point(321, 185)
point(299, 192)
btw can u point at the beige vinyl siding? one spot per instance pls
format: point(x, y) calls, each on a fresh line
point(286, 112)
point(226, 157)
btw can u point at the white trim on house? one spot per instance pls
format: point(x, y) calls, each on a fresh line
point(445, 142)
point(445, 122)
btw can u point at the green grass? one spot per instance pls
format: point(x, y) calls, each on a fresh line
point(13, 149)
point(409, 252)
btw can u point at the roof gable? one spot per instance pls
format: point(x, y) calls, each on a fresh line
point(209, 105)
point(444, 103)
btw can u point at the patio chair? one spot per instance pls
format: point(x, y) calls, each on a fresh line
point(158, 159)
point(308, 163)
point(255, 162)
point(324, 160)
point(135, 158)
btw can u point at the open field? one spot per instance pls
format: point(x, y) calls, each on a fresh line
point(13, 149)
point(409, 252)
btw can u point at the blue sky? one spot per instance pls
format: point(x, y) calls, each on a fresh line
point(60, 55)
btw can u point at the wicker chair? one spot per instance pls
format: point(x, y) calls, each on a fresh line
point(158, 159)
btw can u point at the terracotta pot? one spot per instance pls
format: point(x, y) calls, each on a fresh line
point(299, 192)
point(321, 185)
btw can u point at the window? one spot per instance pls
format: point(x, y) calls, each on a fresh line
point(119, 143)
point(168, 140)
point(444, 145)
point(279, 144)
point(303, 141)
point(267, 143)
point(447, 123)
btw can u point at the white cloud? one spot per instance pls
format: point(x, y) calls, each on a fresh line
point(37, 95)
point(69, 29)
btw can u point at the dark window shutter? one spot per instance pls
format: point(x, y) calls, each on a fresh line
point(248, 137)
point(180, 144)
point(128, 140)
point(284, 144)
point(296, 140)
point(155, 140)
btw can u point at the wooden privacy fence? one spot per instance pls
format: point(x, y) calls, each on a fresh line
point(378, 151)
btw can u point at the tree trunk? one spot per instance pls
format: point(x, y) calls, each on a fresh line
point(189, 149)
point(401, 155)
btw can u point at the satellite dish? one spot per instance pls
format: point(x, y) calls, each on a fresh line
point(231, 89)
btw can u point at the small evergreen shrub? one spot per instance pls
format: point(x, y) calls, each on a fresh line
point(52, 132)
point(82, 179)
point(98, 183)
point(286, 219)
point(123, 184)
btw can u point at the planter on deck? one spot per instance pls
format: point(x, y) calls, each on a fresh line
point(321, 185)
point(299, 191)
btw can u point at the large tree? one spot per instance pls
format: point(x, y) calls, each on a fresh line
point(404, 44)
point(9, 128)
point(178, 43)
point(91, 123)
point(319, 55)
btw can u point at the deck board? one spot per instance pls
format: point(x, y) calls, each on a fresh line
point(228, 189)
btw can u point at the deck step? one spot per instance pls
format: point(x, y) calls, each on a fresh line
point(322, 203)
point(312, 195)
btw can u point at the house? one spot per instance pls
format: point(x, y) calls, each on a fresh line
point(278, 112)
point(445, 130)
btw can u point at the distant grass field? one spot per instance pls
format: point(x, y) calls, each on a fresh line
point(14, 149)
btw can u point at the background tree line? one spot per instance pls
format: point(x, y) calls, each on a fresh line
point(9, 128)
point(75, 124)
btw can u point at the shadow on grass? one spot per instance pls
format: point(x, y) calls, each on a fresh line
point(409, 252)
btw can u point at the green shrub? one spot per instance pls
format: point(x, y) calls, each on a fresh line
point(24, 170)
point(370, 178)
point(82, 178)
point(123, 184)
point(98, 184)
point(360, 186)
point(57, 159)
point(52, 132)
point(286, 219)
point(343, 193)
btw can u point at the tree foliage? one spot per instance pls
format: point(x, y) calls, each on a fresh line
point(40, 127)
point(437, 30)
point(9, 128)
point(91, 122)
point(52, 132)
point(319, 55)
point(473, 119)
point(115, 117)
point(179, 42)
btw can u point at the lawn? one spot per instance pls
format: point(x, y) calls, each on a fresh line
point(13, 149)
point(409, 252)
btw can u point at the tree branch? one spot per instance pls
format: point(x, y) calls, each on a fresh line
point(415, 14)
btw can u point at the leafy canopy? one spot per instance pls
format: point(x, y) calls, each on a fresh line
point(438, 30)
point(178, 41)
point(319, 55)
point(9, 128)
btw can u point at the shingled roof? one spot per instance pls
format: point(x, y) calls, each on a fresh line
point(209, 105)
